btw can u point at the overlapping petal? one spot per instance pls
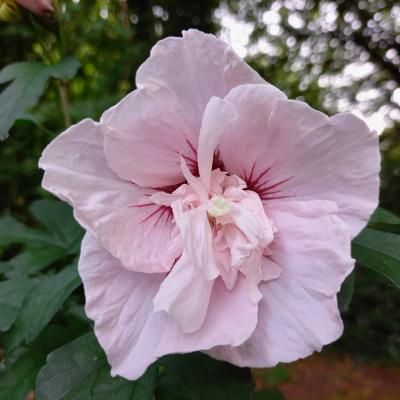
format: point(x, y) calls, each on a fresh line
point(197, 240)
point(118, 213)
point(185, 295)
point(217, 117)
point(148, 131)
point(132, 334)
point(284, 149)
point(194, 68)
point(145, 135)
point(298, 313)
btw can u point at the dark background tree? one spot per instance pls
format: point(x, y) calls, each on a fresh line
point(312, 42)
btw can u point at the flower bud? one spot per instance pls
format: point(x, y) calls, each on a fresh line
point(39, 7)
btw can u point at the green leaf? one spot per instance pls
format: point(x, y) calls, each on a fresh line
point(5, 267)
point(12, 295)
point(63, 231)
point(196, 376)
point(28, 81)
point(346, 292)
point(382, 216)
point(41, 305)
point(79, 371)
point(19, 376)
point(384, 220)
point(65, 69)
point(145, 386)
point(57, 217)
point(12, 231)
point(18, 380)
point(379, 251)
point(32, 260)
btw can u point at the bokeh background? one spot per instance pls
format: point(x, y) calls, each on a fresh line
point(336, 55)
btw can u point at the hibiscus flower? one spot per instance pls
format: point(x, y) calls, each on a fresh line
point(219, 214)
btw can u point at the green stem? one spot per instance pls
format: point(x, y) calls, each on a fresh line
point(63, 92)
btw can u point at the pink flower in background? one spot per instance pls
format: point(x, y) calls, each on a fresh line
point(219, 213)
point(39, 7)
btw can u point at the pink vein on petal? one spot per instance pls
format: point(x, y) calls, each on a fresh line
point(163, 209)
point(259, 187)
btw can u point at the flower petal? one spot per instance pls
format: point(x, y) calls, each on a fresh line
point(148, 130)
point(270, 269)
point(185, 295)
point(145, 134)
point(298, 312)
point(132, 334)
point(195, 68)
point(217, 116)
point(245, 142)
point(285, 149)
point(197, 239)
point(313, 244)
point(118, 213)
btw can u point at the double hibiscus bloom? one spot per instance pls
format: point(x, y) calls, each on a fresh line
point(219, 214)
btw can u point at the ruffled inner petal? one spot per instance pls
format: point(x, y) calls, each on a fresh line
point(298, 312)
point(185, 295)
point(197, 239)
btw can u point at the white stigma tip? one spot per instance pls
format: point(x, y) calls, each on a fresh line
point(219, 207)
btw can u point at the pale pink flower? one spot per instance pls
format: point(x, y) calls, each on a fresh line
point(219, 213)
point(39, 7)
